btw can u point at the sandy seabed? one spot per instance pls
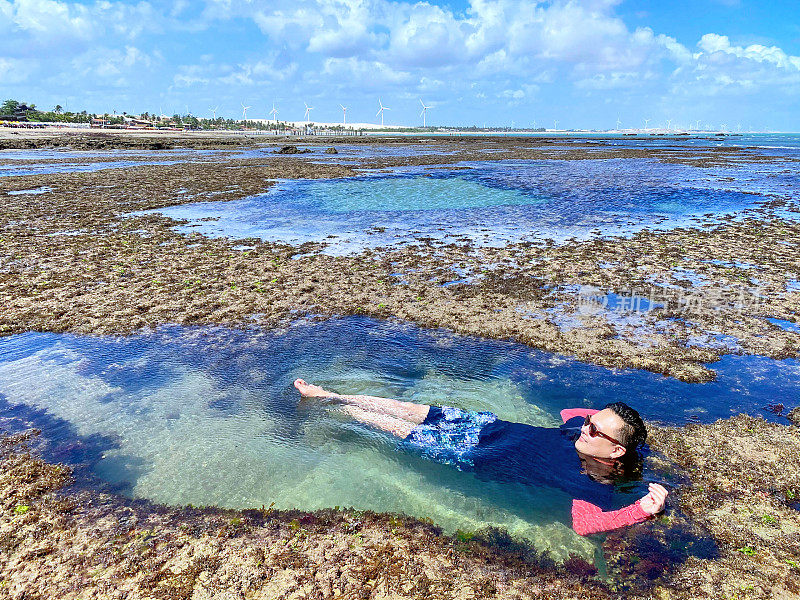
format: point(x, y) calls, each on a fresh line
point(70, 261)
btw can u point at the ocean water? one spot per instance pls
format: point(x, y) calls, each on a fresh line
point(789, 141)
point(492, 203)
point(74, 161)
point(209, 416)
point(15, 170)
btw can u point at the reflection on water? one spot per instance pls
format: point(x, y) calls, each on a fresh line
point(489, 203)
point(208, 415)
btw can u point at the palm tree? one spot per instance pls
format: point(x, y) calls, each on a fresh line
point(58, 109)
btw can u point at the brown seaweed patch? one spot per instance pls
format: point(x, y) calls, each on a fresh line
point(744, 475)
point(117, 274)
point(87, 544)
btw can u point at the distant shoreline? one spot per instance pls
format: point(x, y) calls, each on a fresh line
point(9, 133)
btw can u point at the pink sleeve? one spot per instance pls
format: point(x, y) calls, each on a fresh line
point(569, 413)
point(588, 518)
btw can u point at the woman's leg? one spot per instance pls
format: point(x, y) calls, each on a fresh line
point(395, 416)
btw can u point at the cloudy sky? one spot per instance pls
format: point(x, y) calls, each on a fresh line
point(586, 63)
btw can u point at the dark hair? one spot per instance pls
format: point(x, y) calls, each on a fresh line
point(625, 469)
point(633, 432)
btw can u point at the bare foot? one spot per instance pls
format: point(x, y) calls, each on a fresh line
point(311, 391)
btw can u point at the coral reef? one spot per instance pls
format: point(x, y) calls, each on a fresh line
point(71, 261)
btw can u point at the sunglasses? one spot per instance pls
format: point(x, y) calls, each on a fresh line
point(594, 431)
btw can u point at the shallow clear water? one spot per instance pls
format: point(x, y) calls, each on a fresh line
point(208, 415)
point(489, 203)
point(81, 160)
point(12, 170)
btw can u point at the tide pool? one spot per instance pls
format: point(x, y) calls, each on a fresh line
point(490, 203)
point(208, 415)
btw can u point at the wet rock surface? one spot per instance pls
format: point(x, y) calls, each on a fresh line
point(119, 140)
point(70, 543)
point(71, 261)
point(292, 150)
point(738, 480)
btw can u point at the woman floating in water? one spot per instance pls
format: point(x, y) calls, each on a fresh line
point(598, 443)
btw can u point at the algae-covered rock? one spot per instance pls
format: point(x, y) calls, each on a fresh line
point(742, 481)
point(288, 150)
point(54, 542)
point(293, 150)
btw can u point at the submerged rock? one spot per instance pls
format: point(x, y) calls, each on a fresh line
point(331, 150)
point(293, 150)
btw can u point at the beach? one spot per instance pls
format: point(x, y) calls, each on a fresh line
point(86, 252)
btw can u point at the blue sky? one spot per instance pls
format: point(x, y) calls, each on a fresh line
point(586, 63)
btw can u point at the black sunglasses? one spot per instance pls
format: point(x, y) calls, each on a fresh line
point(594, 431)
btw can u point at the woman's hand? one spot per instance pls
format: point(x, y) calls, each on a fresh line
point(654, 502)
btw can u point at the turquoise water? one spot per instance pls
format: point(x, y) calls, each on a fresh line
point(208, 415)
point(491, 203)
point(411, 194)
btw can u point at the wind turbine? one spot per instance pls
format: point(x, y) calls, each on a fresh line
point(424, 112)
point(618, 123)
point(669, 124)
point(344, 114)
point(646, 121)
point(697, 125)
point(308, 112)
point(274, 113)
point(244, 111)
point(214, 112)
point(555, 125)
point(380, 112)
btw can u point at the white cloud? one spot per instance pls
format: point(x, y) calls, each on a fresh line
point(345, 29)
point(583, 34)
point(32, 26)
point(190, 75)
point(111, 65)
point(608, 81)
point(512, 94)
point(425, 36)
point(14, 71)
point(274, 67)
point(712, 43)
point(366, 74)
point(516, 50)
point(48, 19)
point(721, 68)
